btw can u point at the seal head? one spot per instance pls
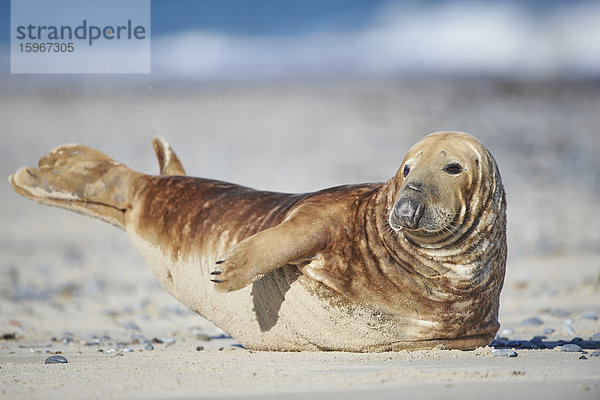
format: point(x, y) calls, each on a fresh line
point(442, 188)
point(447, 224)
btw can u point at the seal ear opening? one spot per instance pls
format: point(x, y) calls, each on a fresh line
point(168, 162)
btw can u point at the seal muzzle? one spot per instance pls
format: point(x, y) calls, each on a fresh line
point(408, 212)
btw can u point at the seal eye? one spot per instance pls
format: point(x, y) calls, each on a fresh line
point(405, 171)
point(453, 168)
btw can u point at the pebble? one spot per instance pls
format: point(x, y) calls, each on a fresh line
point(499, 342)
point(202, 336)
point(590, 315)
point(595, 336)
point(131, 325)
point(529, 345)
point(199, 348)
point(9, 336)
point(559, 312)
point(93, 287)
point(595, 354)
point(538, 339)
point(137, 338)
point(221, 336)
point(56, 360)
point(533, 321)
point(583, 358)
point(504, 353)
point(570, 348)
point(548, 331)
point(176, 310)
point(148, 346)
point(508, 331)
point(165, 340)
point(568, 328)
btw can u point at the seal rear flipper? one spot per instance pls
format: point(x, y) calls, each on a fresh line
point(168, 161)
point(79, 179)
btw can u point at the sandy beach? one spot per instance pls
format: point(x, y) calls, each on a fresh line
point(73, 286)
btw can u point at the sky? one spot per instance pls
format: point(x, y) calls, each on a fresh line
point(259, 39)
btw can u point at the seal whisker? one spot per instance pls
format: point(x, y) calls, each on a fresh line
point(388, 230)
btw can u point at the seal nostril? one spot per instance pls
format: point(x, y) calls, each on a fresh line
point(409, 212)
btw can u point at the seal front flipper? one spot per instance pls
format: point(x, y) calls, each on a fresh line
point(294, 239)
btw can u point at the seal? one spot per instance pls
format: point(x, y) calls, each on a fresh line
point(415, 262)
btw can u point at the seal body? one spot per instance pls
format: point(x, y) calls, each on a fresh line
point(415, 262)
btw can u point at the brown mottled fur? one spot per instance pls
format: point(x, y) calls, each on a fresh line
point(330, 270)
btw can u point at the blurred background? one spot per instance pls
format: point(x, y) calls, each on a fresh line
point(301, 95)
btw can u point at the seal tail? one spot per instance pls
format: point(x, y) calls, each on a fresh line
point(168, 161)
point(79, 179)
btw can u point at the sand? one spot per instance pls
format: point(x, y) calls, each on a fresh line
point(75, 286)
